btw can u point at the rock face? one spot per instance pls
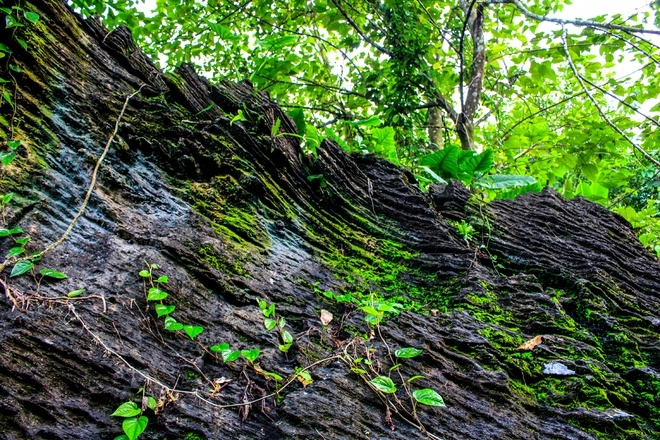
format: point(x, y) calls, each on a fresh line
point(227, 212)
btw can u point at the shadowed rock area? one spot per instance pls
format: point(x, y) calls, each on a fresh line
point(227, 212)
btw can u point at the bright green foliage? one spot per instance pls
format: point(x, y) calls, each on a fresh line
point(428, 396)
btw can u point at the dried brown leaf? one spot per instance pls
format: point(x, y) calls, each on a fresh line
point(326, 317)
point(529, 345)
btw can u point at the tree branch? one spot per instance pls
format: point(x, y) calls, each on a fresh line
point(600, 110)
point(575, 22)
point(364, 36)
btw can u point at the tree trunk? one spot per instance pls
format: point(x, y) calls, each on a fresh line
point(233, 213)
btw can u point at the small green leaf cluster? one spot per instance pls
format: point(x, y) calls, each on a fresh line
point(374, 308)
point(271, 321)
point(229, 355)
point(386, 385)
point(465, 229)
point(157, 293)
point(14, 18)
point(134, 422)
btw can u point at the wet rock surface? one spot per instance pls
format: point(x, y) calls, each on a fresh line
point(227, 213)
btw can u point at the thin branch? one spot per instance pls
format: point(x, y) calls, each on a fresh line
point(475, 85)
point(88, 195)
point(600, 110)
point(574, 22)
point(194, 393)
point(357, 29)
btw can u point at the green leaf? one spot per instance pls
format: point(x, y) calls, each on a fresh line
point(15, 251)
point(11, 22)
point(272, 375)
point(23, 43)
point(481, 163)
point(122, 437)
point(7, 157)
point(156, 294)
point(250, 355)
point(435, 177)
point(298, 116)
point(193, 330)
point(428, 396)
point(275, 128)
point(443, 162)
point(7, 97)
point(270, 323)
point(135, 426)
point(52, 274)
point(30, 16)
point(284, 348)
point(415, 378)
point(22, 241)
point(504, 181)
point(270, 311)
point(161, 279)
point(220, 347)
point(15, 68)
point(8, 232)
point(21, 267)
point(7, 198)
point(228, 355)
point(151, 403)
point(75, 293)
point(127, 409)
point(286, 337)
point(383, 384)
point(172, 324)
point(162, 309)
point(408, 352)
point(4, 48)
point(373, 121)
point(144, 274)
point(14, 144)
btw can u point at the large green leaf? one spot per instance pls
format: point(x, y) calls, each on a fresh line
point(504, 181)
point(443, 162)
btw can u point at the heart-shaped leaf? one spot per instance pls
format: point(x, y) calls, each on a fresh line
point(251, 355)
point(172, 325)
point(270, 323)
point(127, 409)
point(383, 384)
point(193, 330)
point(156, 294)
point(135, 426)
point(162, 309)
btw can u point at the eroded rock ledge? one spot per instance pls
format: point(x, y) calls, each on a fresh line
point(227, 212)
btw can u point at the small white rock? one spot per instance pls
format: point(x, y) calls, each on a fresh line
point(558, 369)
